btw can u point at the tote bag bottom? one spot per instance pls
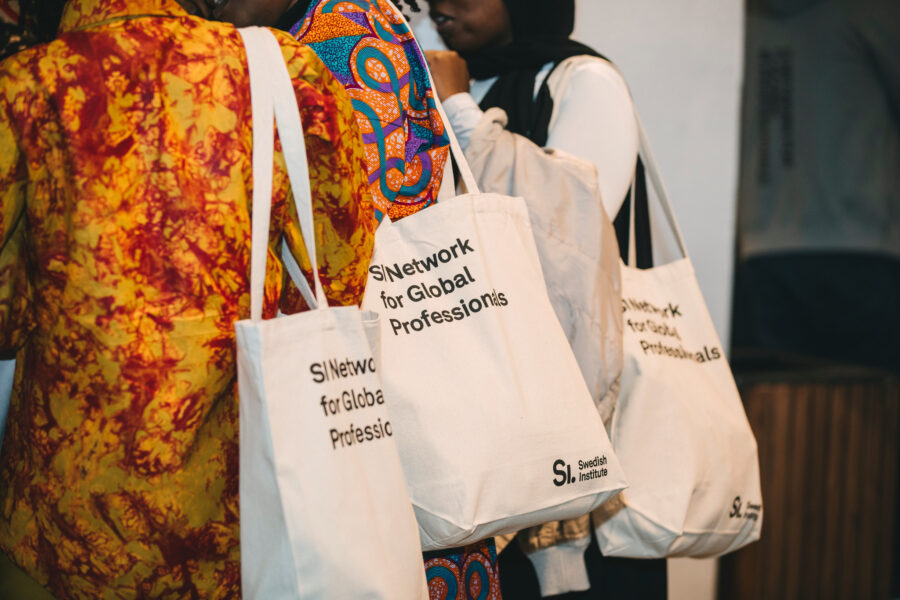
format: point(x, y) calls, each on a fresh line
point(437, 533)
point(631, 534)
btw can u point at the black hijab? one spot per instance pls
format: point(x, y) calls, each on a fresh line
point(541, 33)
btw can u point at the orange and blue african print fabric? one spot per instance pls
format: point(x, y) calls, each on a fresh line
point(369, 48)
point(125, 192)
point(467, 573)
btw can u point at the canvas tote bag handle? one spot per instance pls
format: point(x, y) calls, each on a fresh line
point(273, 99)
point(456, 150)
point(651, 169)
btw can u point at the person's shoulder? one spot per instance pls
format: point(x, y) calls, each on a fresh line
point(20, 61)
point(587, 72)
point(592, 67)
point(315, 84)
point(301, 60)
point(22, 71)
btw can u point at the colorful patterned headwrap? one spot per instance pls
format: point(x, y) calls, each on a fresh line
point(372, 52)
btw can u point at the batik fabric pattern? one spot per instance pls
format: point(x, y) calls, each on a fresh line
point(369, 48)
point(467, 573)
point(125, 191)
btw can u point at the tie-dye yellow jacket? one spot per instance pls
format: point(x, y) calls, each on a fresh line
point(125, 180)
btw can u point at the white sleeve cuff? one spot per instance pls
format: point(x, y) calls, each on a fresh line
point(464, 114)
point(560, 569)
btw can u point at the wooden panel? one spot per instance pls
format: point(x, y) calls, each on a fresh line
point(795, 513)
point(863, 561)
point(828, 452)
point(831, 498)
point(816, 469)
point(849, 515)
point(777, 497)
point(884, 558)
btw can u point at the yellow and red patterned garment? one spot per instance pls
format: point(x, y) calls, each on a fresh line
point(369, 48)
point(125, 187)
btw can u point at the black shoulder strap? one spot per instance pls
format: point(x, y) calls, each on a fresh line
point(643, 245)
point(542, 108)
point(533, 121)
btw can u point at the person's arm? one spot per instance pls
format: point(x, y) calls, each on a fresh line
point(560, 568)
point(464, 114)
point(594, 120)
point(593, 117)
point(342, 207)
point(451, 82)
point(15, 289)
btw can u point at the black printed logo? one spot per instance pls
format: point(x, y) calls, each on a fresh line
point(593, 468)
point(564, 473)
point(739, 510)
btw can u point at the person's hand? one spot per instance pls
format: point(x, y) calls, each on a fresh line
point(451, 75)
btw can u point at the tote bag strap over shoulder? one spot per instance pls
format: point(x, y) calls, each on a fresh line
point(651, 168)
point(456, 150)
point(272, 97)
point(647, 168)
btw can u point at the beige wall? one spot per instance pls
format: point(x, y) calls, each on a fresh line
point(683, 61)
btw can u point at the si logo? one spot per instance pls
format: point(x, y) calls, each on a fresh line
point(563, 473)
point(745, 510)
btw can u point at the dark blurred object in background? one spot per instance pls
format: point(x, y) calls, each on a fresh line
point(818, 268)
point(818, 257)
point(24, 23)
point(13, 37)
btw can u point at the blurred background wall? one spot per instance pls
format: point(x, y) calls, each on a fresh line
point(683, 61)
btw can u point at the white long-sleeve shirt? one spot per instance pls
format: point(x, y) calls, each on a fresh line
point(593, 119)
